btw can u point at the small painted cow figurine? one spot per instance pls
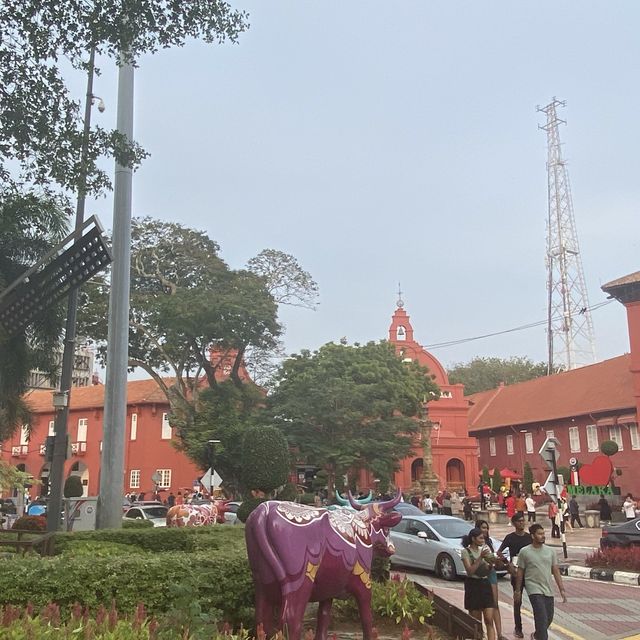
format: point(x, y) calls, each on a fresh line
point(197, 515)
point(300, 554)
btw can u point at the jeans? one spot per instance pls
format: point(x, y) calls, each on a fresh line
point(531, 516)
point(542, 614)
point(555, 529)
point(575, 517)
point(517, 616)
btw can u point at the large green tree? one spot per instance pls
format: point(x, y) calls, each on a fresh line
point(30, 224)
point(481, 374)
point(41, 133)
point(345, 408)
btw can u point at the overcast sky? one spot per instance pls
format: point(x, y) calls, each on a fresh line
point(386, 142)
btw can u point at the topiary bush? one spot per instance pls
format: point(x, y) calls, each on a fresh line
point(609, 448)
point(247, 507)
point(308, 498)
point(288, 493)
point(73, 487)
point(265, 459)
point(131, 523)
point(30, 523)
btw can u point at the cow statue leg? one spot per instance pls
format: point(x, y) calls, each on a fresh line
point(292, 612)
point(265, 607)
point(323, 619)
point(360, 588)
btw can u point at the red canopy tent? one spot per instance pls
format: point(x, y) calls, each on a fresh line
point(508, 473)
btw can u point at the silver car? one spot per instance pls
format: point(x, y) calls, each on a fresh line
point(156, 513)
point(432, 542)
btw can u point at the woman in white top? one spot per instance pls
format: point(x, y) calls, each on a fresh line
point(531, 508)
point(629, 507)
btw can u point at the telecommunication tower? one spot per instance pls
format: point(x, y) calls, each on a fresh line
point(570, 335)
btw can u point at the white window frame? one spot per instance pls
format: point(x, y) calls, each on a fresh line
point(615, 434)
point(574, 439)
point(83, 423)
point(134, 479)
point(165, 478)
point(551, 433)
point(134, 426)
point(509, 444)
point(166, 432)
point(52, 428)
point(24, 435)
point(593, 443)
point(492, 446)
point(528, 442)
point(634, 435)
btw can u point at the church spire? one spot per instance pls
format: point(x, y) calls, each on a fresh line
point(400, 302)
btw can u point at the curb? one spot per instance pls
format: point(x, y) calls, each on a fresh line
point(604, 575)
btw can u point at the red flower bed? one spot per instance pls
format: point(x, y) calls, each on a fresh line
point(617, 558)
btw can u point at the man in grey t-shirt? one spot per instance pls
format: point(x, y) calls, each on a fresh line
point(536, 564)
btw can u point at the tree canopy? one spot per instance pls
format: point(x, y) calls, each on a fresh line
point(30, 225)
point(41, 125)
point(482, 374)
point(345, 408)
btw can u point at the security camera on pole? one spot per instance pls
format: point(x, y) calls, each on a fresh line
point(553, 486)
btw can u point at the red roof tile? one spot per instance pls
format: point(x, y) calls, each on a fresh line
point(138, 392)
point(605, 386)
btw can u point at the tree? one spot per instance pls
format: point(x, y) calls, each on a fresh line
point(527, 477)
point(30, 224)
point(265, 459)
point(345, 408)
point(41, 127)
point(73, 487)
point(482, 374)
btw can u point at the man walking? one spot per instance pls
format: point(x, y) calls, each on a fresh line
point(536, 564)
point(515, 542)
point(574, 512)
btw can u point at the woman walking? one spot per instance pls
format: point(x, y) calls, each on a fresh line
point(478, 595)
point(629, 507)
point(483, 525)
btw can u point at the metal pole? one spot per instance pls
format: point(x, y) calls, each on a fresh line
point(56, 473)
point(109, 514)
point(554, 468)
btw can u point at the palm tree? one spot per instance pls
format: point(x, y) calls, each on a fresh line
point(30, 225)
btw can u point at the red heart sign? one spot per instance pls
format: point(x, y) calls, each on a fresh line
point(598, 473)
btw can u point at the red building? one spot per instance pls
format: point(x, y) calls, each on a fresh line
point(454, 453)
point(581, 408)
point(149, 446)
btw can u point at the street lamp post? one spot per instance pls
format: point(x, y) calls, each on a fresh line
point(212, 459)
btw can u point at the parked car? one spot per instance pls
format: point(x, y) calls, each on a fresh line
point(155, 512)
point(621, 535)
point(432, 542)
point(231, 515)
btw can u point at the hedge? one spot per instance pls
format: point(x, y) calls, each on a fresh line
point(224, 583)
point(160, 539)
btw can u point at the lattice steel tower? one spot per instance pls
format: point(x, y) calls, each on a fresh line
point(569, 327)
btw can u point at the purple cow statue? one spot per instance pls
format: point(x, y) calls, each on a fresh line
point(300, 554)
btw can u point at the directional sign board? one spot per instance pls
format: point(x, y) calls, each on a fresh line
point(549, 451)
point(206, 479)
point(550, 486)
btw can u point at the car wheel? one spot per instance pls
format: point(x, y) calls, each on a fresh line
point(445, 567)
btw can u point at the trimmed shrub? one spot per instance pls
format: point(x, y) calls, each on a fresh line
point(224, 583)
point(308, 498)
point(289, 493)
point(130, 523)
point(73, 487)
point(380, 569)
point(265, 459)
point(247, 507)
point(30, 523)
point(609, 448)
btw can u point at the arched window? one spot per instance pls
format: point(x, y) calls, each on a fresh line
point(401, 333)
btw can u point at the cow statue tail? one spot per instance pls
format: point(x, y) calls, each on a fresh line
point(259, 546)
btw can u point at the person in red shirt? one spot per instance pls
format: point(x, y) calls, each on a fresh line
point(510, 505)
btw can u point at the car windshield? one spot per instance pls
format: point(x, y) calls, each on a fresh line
point(156, 512)
point(454, 528)
point(408, 509)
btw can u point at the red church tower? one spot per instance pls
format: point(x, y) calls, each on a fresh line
point(454, 453)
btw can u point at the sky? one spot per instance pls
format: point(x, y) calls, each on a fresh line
point(398, 142)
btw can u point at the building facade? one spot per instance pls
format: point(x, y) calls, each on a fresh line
point(149, 441)
point(454, 453)
point(581, 408)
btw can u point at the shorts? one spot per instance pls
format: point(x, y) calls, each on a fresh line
point(478, 594)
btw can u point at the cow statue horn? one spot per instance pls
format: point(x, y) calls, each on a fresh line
point(389, 504)
point(354, 503)
point(340, 500)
